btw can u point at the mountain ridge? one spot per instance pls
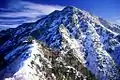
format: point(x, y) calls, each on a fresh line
point(93, 41)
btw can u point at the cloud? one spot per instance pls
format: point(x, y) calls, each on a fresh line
point(115, 20)
point(44, 9)
point(25, 11)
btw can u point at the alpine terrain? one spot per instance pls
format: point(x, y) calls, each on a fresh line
point(71, 44)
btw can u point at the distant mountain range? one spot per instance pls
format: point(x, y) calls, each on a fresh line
point(71, 44)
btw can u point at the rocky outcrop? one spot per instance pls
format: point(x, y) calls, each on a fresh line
point(39, 62)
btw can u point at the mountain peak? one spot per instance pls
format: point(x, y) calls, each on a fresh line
point(76, 43)
point(70, 8)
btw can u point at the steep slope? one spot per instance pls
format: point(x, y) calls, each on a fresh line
point(34, 61)
point(85, 43)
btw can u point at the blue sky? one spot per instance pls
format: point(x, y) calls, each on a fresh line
point(103, 8)
point(15, 12)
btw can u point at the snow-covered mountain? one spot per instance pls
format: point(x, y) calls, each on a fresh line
point(71, 44)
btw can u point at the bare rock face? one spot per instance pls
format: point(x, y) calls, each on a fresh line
point(70, 44)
